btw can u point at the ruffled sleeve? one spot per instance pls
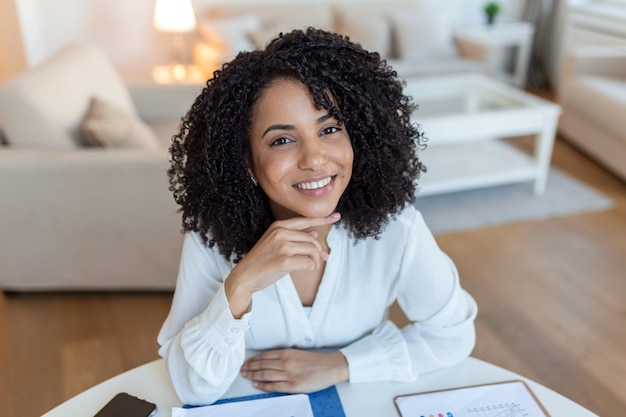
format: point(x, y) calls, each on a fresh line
point(202, 343)
point(379, 356)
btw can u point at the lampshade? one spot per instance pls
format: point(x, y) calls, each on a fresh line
point(174, 16)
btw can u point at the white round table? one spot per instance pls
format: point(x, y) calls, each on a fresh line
point(150, 381)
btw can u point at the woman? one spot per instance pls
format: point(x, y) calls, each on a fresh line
point(295, 171)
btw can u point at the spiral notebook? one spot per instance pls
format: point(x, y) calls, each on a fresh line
point(501, 399)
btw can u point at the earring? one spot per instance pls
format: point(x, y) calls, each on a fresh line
point(254, 181)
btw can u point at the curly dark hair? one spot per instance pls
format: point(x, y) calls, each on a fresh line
point(209, 157)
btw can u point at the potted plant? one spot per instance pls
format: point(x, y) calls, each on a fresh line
point(492, 8)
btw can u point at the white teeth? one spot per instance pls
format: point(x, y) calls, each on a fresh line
point(315, 184)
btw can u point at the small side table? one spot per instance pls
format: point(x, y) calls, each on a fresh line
point(496, 39)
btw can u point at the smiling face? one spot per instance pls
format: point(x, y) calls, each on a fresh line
point(301, 156)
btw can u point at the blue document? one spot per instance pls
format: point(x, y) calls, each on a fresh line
point(324, 403)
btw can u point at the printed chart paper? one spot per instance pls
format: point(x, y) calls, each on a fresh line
point(506, 399)
point(297, 405)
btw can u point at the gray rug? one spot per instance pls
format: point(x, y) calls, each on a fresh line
point(466, 210)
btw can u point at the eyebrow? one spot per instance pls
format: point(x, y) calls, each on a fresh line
point(321, 119)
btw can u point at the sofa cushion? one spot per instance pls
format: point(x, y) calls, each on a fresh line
point(44, 106)
point(3, 141)
point(419, 67)
point(421, 34)
point(375, 36)
point(289, 16)
point(602, 99)
point(277, 18)
point(107, 125)
point(262, 37)
point(230, 34)
point(164, 130)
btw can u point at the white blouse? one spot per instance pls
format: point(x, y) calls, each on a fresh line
point(204, 346)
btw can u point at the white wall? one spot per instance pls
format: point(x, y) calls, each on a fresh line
point(123, 28)
point(11, 48)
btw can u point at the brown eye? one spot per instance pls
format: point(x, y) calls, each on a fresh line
point(330, 130)
point(281, 141)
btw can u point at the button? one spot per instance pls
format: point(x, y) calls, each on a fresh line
point(228, 341)
point(234, 330)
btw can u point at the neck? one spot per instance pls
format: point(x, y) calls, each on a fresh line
point(322, 234)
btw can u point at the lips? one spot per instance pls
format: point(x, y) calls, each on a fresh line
point(314, 185)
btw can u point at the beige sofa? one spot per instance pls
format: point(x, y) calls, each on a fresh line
point(592, 94)
point(415, 39)
point(74, 216)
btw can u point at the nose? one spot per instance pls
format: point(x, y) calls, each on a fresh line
point(313, 154)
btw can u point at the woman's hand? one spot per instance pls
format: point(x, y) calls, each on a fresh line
point(295, 371)
point(286, 246)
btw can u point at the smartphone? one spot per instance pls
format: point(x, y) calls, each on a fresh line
point(125, 405)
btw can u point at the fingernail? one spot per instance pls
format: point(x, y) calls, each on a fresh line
point(336, 215)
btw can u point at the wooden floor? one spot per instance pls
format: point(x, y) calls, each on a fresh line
point(551, 296)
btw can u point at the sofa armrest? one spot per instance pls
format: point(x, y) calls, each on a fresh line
point(609, 61)
point(155, 102)
point(81, 219)
point(17, 160)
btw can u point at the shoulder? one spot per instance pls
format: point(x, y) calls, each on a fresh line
point(406, 231)
point(405, 236)
point(405, 223)
point(199, 252)
point(193, 243)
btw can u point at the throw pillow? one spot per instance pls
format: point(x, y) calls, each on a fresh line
point(422, 35)
point(230, 34)
point(109, 126)
point(3, 141)
point(371, 31)
point(261, 38)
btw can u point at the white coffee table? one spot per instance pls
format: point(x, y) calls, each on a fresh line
point(465, 118)
point(150, 381)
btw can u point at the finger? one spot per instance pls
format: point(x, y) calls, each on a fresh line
point(280, 386)
point(280, 234)
point(263, 356)
point(265, 375)
point(304, 223)
point(261, 364)
point(297, 236)
point(305, 260)
point(281, 237)
point(299, 254)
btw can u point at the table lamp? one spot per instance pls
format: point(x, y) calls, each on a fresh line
point(175, 17)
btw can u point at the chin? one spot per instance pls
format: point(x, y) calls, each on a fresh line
point(309, 212)
point(318, 214)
